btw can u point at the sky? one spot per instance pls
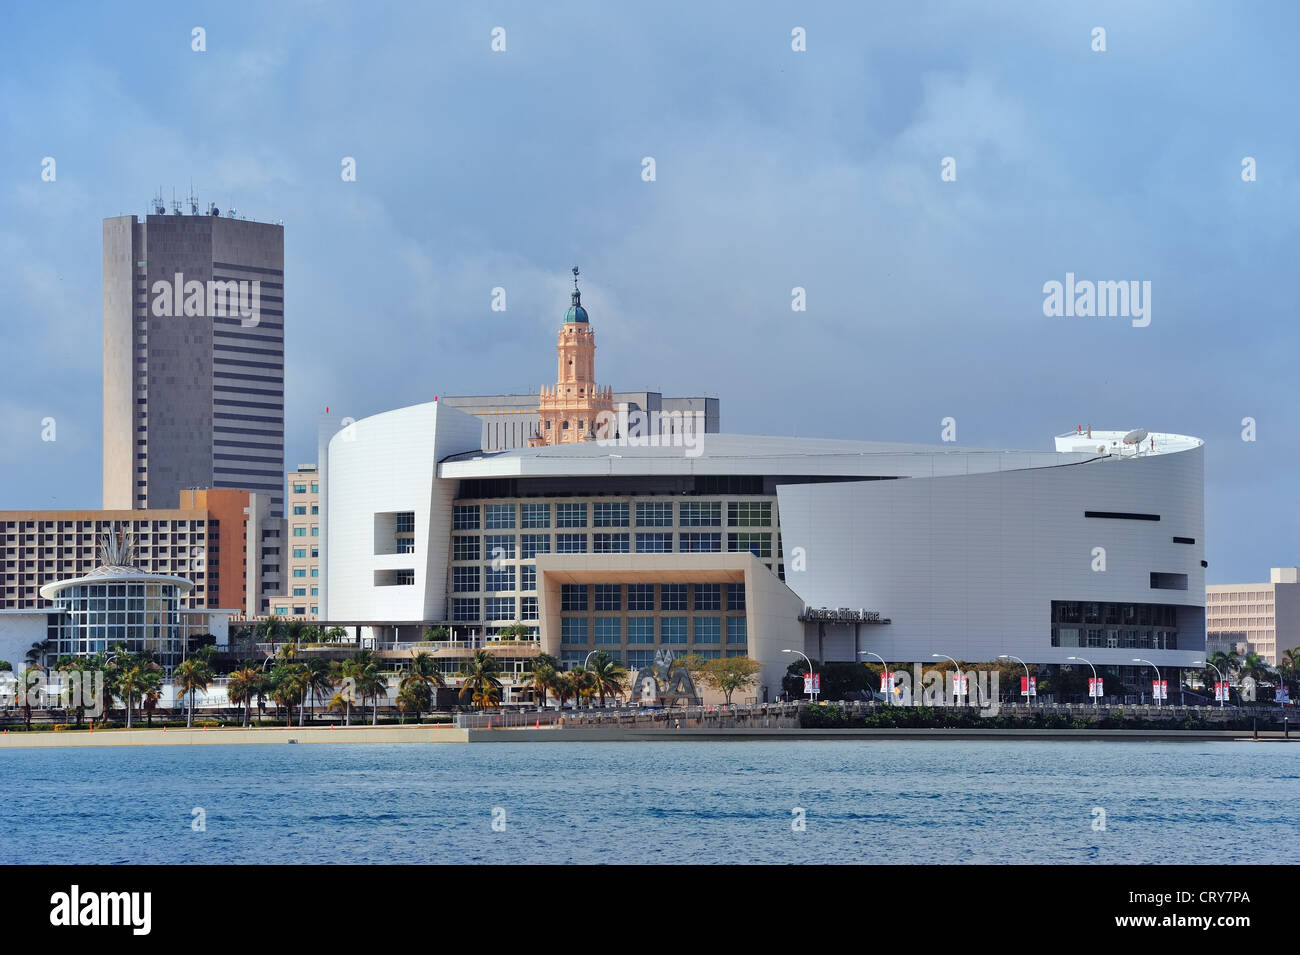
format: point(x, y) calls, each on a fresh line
point(774, 169)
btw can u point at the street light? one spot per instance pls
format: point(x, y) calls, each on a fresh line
point(1007, 656)
point(1154, 667)
point(1094, 674)
point(889, 694)
point(810, 666)
point(589, 656)
point(1207, 663)
point(957, 680)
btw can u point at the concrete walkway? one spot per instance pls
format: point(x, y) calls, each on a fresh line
point(228, 735)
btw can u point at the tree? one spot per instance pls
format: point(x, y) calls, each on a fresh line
point(335, 635)
point(246, 684)
point(137, 677)
point(562, 686)
point(480, 678)
point(520, 632)
point(190, 676)
point(414, 696)
point(288, 686)
point(319, 681)
point(343, 674)
point(542, 679)
point(416, 689)
point(607, 675)
point(371, 682)
point(1255, 666)
point(729, 674)
point(437, 634)
point(584, 684)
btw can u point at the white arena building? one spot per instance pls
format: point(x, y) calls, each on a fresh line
point(742, 545)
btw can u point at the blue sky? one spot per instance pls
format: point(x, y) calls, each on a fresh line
point(774, 169)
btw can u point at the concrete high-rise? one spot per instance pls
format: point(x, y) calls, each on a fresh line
point(193, 358)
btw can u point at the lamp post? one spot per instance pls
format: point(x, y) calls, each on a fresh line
point(956, 683)
point(810, 667)
point(1007, 656)
point(889, 695)
point(1159, 701)
point(1094, 673)
point(1207, 663)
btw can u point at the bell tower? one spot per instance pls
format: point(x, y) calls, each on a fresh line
point(567, 413)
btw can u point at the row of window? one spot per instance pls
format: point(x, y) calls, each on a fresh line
point(302, 488)
point(499, 547)
point(300, 510)
point(637, 660)
point(641, 630)
point(467, 609)
point(472, 517)
point(577, 598)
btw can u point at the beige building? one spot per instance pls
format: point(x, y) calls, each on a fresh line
point(301, 599)
point(207, 540)
point(1264, 618)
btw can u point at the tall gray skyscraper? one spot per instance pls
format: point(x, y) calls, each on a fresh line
point(193, 358)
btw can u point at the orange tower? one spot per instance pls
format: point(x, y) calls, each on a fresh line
point(567, 413)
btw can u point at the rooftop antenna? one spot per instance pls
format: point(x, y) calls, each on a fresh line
point(176, 206)
point(158, 207)
point(194, 200)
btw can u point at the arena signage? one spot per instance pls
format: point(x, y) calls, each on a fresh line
point(840, 615)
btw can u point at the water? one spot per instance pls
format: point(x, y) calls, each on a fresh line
point(871, 801)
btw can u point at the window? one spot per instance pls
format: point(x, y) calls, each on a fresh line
point(464, 548)
point(570, 515)
point(464, 608)
point(571, 543)
point(300, 532)
point(535, 515)
point(315, 508)
point(609, 543)
point(282, 611)
point(640, 629)
point(638, 660)
point(736, 630)
point(499, 579)
point(701, 543)
point(672, 629)
point(315, 571)
point(708, 596)
point(655, 542)
point(654, 514)
point(609, 630)
point(300, 489)
point(530, 545)
point(405, 522)
point(300, 571)
point(315, 487)
point(573, 597)
point(497, 516)
point(528, 577)
point(300, 509)
point(735, 596)
point(610, 513)
point(573, 630)
point(464, 517)
point(701, 513)
point(300, 552)
point(527, 608)
point(672, 596)
point(315, 532)
point(749, 513)
point(315, 591)
point(405, 545)
point(760, 545)
point(609, 597)
point(300, 591)
point(499, 547)
point(640, 596)
point(499, 608)
point(315, 551)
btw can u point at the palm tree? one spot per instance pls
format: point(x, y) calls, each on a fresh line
point(486, 696)
point(371, 682)
point(319, 681)
point(542, 679)
point(414, 695)
point(607, 675)
point(245, 684)
point(480, 678)
point(335, 635)
point(289, 687)
point(1227, 662)
point(420, 679)
point(189, 677)
point(133, 680)
point(583, 683)
point(562, 686)
point(1255, 666)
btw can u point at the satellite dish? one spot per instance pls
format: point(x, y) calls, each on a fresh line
point(216, 211)
point(1136, 436)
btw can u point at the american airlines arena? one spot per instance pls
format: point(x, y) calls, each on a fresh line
point(715, 544)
